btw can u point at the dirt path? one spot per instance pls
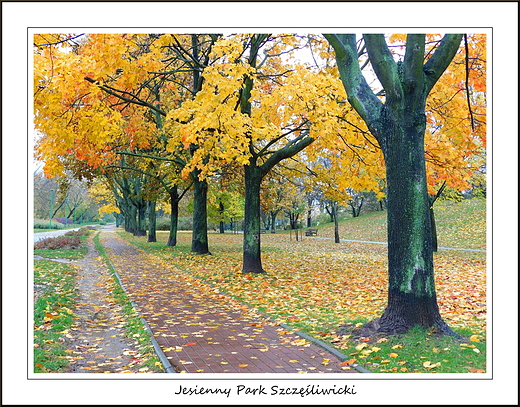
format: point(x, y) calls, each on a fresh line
point(96, 343)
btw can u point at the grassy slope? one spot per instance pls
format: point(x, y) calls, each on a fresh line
point(460, 225)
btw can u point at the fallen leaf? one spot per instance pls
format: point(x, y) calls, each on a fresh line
point(348, 362)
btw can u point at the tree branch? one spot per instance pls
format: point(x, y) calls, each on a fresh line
point(135, 100)
point(467, 82)
point(384, 65)
point(360, 96)
point(441, 59)
point(58, 42)
point(292, 148)
point(178, 161)
point(414, 60)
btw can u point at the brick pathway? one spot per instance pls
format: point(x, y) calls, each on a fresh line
point(201, 330)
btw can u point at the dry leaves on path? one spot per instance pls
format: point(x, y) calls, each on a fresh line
point(98, 342)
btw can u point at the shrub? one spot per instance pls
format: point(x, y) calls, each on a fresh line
point(84, 231)
point(184, 223)
point(44, 224)
point(163, 224)
point(60, 242)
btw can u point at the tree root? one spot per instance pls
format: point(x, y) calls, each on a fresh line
point(373, 330)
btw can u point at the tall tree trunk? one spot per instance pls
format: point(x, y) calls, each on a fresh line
point(174, 216)
point(131, 218)
point(152, 223)
point(252, 262)
point(399, 125)
point(412, 298)
point(435, 243)
point(336, 225)
point(120, 219)
point(141, 218)
point(199, 241)
point(273, 221)
point(221, 211)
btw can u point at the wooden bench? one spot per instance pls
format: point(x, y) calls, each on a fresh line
point(262, 230)
point(311, 232)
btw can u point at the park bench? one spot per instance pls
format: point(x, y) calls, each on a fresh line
point(262, 230)
point(311, 232)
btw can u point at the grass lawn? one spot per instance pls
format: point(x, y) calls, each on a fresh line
point(53, 314)
point(315, 286)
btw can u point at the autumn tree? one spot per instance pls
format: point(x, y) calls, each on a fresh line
point(399, 123)
point(257, 110)
point(108, 96)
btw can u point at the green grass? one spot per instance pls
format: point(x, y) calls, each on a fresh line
point(134, 326)
point(419, 351)
point(63, 253)
point(459, 224)
point(53, 314)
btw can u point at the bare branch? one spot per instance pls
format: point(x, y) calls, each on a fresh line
point(468, 95)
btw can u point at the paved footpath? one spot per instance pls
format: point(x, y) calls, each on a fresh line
point(201, 330)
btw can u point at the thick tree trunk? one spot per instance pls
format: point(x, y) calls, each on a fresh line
point(131, 219)
point(252, 262)
point(141, 219)
point(199, 242)
point(152, 223)
point(120, 219)
point(411, 292)
point(174, 217)
point(399, 125)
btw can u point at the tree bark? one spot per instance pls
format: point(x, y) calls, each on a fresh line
point(221, 211)
point(336, 222)
point(152, 223)
point(131, 218)
point(273, 221)
point(199, 242)
point(252, 262)
point(174, 216)
point(141, 218)
point(411, 288)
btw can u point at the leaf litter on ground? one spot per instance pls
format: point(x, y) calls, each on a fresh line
point(317, 286)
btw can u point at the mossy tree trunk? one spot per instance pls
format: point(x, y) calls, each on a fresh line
point(199, 240)
point(252, 262)
point(399, 125)
point(141, 205)
point(152, 223)
point(174, 216)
